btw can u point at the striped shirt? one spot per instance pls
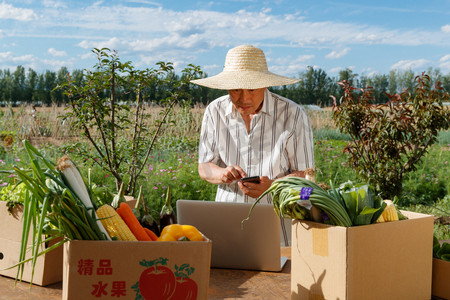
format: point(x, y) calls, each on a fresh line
point(280, 141)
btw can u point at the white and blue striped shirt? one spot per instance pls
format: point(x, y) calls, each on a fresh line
point(280, 141)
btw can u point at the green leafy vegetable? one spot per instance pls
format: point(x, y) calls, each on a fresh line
point(362, 204)
point(441, 251)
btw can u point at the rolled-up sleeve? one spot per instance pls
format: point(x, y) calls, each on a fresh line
point(300, 144)
point(207, 146)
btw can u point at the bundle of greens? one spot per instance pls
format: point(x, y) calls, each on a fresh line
point(293, 197)
point(349, 205)
point(57, 207)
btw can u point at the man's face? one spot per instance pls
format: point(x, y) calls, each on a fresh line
point(247, 102)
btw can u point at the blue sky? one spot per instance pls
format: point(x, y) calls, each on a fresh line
point(369, 37)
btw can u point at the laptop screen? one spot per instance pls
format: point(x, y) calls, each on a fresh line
point(253, 244)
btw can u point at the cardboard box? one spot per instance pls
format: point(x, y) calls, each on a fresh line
point(48, 267)
point(379, 261)
point(109, 269)
point(441, 278)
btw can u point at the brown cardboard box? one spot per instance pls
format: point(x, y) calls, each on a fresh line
point(441, 278)
point(109, 269)
point(48, 267)
point(380, 261)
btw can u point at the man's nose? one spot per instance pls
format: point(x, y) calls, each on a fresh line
point(244, 95)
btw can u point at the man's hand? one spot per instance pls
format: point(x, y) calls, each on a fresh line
point(232, 173)
point(218, 175)
point(255, 190)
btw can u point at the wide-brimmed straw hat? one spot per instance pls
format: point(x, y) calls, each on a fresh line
point(245, 68)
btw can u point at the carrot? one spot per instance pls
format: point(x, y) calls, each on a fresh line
point(130, 219)
point(151, 234)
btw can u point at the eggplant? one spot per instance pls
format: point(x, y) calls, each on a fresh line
point(167, 215)
point(144, 217)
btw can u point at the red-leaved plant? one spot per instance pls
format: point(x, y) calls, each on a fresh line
point(389, 140)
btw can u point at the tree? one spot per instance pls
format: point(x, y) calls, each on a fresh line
point(49, 86)
point(405, 80)
point(393, 89)
point(380, 84)
point(121, 139)
point(315, 86)
point(31, 85)
point(18, 88)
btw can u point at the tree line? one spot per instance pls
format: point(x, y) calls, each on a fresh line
point(315, 87)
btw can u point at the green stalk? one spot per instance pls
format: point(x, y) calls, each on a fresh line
point(38, 239)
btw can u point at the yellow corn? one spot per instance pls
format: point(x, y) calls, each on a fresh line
point(114, 224)
point(380, 219)
point(390, 212)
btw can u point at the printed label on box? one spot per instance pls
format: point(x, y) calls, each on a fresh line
point(156, 281)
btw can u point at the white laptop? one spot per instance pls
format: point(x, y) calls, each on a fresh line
point(255, 245)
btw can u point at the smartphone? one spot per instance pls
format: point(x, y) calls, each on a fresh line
point(253, 179)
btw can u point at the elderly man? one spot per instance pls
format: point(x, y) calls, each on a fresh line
point(251, 131)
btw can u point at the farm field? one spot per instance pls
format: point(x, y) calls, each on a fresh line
point(173, 161)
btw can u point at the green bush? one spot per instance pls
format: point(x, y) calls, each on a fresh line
point(389, 141)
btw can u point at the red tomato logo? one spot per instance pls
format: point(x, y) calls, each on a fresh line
point(157, 281)
point(186, 289)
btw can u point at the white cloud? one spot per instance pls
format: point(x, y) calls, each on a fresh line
point(54, 4)
point(5, 55)
point(410, 64)
point(337, 53)
point(113, 44)
point(55, 52)
point(444, 63)
point(7, 11)
point(145, 2)
point(445, 58)
point(446, 28)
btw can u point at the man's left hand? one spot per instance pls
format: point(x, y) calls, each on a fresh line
point(255, 190)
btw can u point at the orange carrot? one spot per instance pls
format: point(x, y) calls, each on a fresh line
point(151, 234)
point(130, 219)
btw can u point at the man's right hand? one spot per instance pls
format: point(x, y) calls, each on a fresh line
point(232, 173)
point(218, 175)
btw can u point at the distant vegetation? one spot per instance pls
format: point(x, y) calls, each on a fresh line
point(22, 86)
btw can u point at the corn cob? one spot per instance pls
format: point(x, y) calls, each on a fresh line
point(114, 225)
point(381, 219)
point(389, 213)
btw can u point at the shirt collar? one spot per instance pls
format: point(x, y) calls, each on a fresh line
point(266, 108)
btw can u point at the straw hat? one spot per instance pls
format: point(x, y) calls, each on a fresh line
point(245, 68)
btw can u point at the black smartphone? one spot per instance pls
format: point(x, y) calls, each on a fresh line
point(253, 179)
